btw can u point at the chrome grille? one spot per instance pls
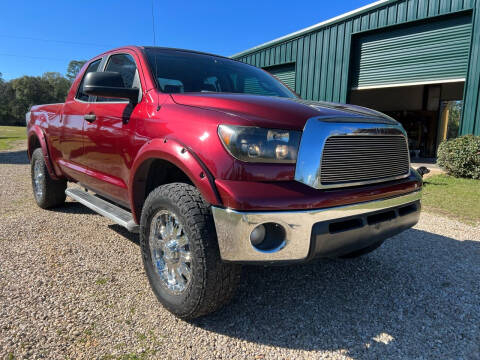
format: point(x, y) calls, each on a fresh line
point(363, 159)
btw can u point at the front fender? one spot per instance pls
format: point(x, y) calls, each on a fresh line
point(35, 133)
point(179, 155)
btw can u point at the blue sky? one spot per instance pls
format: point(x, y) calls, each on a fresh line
point(39, 36)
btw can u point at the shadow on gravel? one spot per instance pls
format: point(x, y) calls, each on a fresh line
point(74, 208)
point(14, 157)
point(125, 233)
point(416, 296)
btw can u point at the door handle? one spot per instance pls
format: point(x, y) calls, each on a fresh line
point(90, 117)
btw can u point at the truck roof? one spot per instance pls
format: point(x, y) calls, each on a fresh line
point(136, 47)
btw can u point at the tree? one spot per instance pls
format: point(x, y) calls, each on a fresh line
point(18, 95)
point(29, 91)
point(60, 85)
point(73, 69)
point(6, 97)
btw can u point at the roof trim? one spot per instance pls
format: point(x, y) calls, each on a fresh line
point(311, 28)
point(429, 82)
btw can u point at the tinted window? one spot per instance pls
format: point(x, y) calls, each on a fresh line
point(92, 67)
point(125, 65)
point(180, 71)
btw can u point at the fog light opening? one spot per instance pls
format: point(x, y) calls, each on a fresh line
point(268, 237)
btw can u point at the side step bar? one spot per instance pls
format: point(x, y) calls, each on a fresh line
point(117, 214)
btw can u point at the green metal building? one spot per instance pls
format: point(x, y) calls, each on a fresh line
point(417, 60)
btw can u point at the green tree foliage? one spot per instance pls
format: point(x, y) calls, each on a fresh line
point(74, 68)
point(18, 95)
point(60, 85)
point(6, 95)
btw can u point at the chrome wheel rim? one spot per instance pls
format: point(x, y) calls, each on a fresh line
point(170, 251)
point(38, 177)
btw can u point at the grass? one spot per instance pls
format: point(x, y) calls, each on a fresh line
point(101, 281)
point(11, 134)
point(453, 197)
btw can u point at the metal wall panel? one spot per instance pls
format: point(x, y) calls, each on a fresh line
point(471, 106)
point(284, 73)
point(432, 51)
point(330, 84)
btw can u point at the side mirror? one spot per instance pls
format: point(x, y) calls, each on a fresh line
point(110, 85)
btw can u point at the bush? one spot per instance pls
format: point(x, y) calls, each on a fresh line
point(460, 157)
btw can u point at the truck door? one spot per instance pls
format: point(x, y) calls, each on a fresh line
point(108, 135)
point(70, 137)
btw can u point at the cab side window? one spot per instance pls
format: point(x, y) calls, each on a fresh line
point(125, 65)
point(92, 67)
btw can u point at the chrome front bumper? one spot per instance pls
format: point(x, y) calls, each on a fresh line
point(308, 232)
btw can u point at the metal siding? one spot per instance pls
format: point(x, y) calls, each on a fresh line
point(289, 52)
point(311, 66)
point(402, 12)
point(285, 73)
point(338, 62)
point(433, 8)
point(283, 53)
point(423, 7)
point(294, 49)
point(445, 6)
point(373, 20)
point(331, 63)
point(382, 17)
point(471, 107)
point(324, 68)
point(298, 75)
point(306, 58)
point(412, 10)
point(345, 82)
point(469, 3)
point(365, 22)
point(392, 14)
point(456, 5)
point(317, 68)
point(422, 53)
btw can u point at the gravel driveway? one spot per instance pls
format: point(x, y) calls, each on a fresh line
point(72, 286)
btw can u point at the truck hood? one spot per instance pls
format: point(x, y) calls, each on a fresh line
point(268, 111)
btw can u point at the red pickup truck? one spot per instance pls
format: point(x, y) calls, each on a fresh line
point(216, 163)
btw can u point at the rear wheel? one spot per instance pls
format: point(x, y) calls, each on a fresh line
point(180, 252)
point(48, 192)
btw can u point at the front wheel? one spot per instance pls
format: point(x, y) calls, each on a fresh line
point(180, 252)
point(48, 192)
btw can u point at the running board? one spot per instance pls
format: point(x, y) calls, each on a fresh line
point(117, 214)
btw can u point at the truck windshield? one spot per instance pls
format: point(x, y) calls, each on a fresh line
point(185, 72)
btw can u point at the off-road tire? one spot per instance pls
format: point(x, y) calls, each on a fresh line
point(53, 191)
point(213, 282)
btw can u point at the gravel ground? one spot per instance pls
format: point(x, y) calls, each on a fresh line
point(72, 286)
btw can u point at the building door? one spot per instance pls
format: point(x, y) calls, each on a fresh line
point(430, 52)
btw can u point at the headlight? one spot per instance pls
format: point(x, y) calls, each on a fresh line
point(255, 144)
